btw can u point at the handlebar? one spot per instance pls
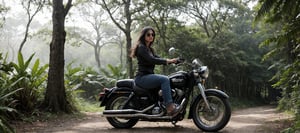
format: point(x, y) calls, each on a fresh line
point(179, 60)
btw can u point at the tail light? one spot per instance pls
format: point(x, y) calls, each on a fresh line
point(102, 94)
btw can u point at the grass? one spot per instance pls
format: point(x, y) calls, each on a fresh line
point(82, 106)
point(88, 106)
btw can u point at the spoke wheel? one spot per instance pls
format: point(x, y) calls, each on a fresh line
point(214, 118)
point(117, 103)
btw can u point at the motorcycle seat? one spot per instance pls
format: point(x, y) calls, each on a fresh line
point(125, 83)
point(129, 83)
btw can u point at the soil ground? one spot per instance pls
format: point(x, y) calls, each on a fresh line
point(262, 119)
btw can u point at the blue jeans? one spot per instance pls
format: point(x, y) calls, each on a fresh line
point(151, 81)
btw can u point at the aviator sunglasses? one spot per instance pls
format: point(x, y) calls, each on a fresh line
point(148, 34)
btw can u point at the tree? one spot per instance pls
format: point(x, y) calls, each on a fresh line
point(55, 97)
point(27, 5)
point(122, 14)
point(119, 39)
point(101, 34)
point(210, 15)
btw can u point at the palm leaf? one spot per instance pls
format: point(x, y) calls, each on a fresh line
point(8, 94)
point(4, 126)
point(35, 67)
point(20, 60)
point(7, 109)
point(42, 69)
point(28, 61)
point(266, 7)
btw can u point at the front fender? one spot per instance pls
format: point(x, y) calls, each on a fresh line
point(114, 91)
point(207, 92)
point(216, 92)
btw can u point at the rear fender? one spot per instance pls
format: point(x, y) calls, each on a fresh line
point(207, 92)
point(114, 91)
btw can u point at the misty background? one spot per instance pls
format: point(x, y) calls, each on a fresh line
point(78, 52)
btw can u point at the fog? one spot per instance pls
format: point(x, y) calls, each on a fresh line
point(13, 31)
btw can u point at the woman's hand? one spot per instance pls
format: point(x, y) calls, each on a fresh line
point(169, 61)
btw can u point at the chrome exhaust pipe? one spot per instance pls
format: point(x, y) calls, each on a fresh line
point(182, 102)
point(126, 111)
point(131, 113)
point(160, 116)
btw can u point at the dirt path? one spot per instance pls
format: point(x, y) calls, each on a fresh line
point(263, 119)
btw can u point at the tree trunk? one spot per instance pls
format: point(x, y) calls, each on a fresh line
point(121, 54)
point(129, 60)
point(97, 55)
point(25, 37)
point(55, 97)
point(128, 38)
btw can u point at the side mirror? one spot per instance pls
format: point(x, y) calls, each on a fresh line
point(172, 51)
point(197, 63)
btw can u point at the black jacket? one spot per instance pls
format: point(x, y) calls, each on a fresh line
point(147, 60)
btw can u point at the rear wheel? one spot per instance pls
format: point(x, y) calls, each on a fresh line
point(118, 102)
point(215, 118)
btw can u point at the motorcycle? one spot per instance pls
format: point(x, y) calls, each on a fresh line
point(126, 103)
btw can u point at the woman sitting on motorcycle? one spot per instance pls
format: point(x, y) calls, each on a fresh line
point(147, 60)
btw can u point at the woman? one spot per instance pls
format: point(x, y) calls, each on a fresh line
point(147, 60)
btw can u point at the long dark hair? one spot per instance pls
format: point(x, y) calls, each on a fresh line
point(141, 40)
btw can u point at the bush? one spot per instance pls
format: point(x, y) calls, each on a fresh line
point(32, 80)
point(7, 103)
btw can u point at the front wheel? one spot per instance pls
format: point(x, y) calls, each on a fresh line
point(118, 102)
point(215, 118)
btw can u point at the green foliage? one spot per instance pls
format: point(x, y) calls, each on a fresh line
point(285, 48)
point(5, 127)
point(276, 10)
point(88, 106)
point(32, 80)
point(73, 81)
point(84, 82)
point(6, 106)
point(113, 74)
point(232, 55)
point(288, 80)
point(7, 103)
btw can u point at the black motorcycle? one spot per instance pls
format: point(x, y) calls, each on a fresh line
point(126, 103)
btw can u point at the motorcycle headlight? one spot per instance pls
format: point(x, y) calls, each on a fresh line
point(204, 71)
